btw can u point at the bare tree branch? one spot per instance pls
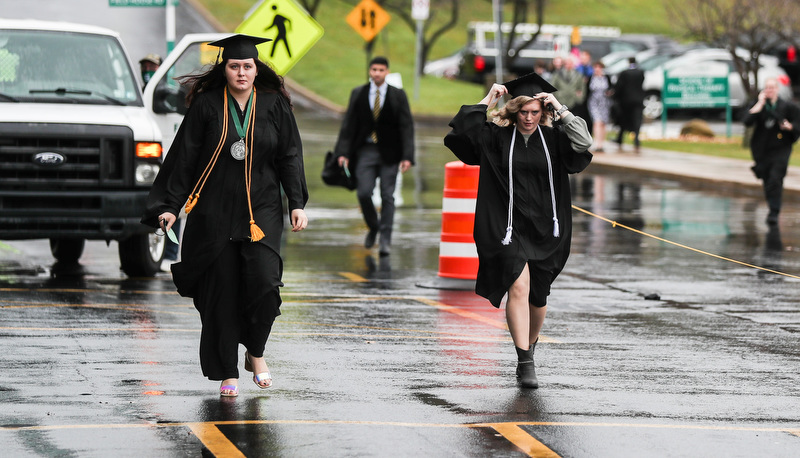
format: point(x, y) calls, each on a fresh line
point(443, 17)
point(756, 26)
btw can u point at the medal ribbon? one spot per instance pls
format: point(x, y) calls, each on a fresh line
point(242, 131)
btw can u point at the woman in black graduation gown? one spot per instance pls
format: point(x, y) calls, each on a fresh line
point(522, 232)
point(236, 147)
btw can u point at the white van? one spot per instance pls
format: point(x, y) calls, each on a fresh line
point(78, 148)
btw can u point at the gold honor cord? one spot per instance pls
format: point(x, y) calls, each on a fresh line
point(615, 224)
point(256, 233)
point(195, 194)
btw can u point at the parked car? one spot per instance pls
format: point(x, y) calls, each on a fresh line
point(478, 58)
point(446, 67)
point(699, 60)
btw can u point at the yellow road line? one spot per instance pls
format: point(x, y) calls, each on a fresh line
point(353, 277)
point(793, 430)
point(214, 440)
point(219, 445)
point(527, 443)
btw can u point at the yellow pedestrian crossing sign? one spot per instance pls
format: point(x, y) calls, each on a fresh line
point(368, 18)
point(292, 30)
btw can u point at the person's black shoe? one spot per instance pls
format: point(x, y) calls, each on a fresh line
point(385, 249)
point(772, 218)
point(369, 241)
point(526, 372)
point(526, 375)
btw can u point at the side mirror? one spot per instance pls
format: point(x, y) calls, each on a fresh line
point(169, 100)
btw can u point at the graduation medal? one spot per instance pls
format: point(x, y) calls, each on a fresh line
point(238, 149)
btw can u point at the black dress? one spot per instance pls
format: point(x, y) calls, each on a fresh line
point(478, 142)
point(220, 221)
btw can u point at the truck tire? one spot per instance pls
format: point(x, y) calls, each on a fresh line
point(140, 255)
point(67, 251)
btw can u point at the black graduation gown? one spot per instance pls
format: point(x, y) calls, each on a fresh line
point(221, 212)
point(478, 142)
point(769, 144)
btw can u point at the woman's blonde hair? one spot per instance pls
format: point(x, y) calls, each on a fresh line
point(507, 115)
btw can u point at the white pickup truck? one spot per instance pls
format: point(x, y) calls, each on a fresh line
point(80, 144)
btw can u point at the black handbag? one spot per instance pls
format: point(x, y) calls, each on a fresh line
point(335, 175)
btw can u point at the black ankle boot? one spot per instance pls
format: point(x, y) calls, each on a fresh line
point(526, 372)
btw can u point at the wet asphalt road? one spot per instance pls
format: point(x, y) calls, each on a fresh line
point(368, 360)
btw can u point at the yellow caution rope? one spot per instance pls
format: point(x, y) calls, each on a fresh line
point(615, 224)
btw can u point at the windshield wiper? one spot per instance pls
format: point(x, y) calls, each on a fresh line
point(9, 98)
point(65, 91)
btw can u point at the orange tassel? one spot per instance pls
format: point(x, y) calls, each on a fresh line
point(256, 233)
point(191, 203)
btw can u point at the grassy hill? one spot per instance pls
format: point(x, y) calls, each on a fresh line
point(338, 61)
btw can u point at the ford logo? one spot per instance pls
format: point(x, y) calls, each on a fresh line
point(49, 159)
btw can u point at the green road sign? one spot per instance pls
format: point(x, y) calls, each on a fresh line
point(137, 2)
point(710, 91)
point(292, 30)
point(695, 92)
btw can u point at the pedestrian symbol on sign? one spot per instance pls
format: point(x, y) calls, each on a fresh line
point(279, 22)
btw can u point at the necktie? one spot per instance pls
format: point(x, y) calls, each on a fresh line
point(376, 111)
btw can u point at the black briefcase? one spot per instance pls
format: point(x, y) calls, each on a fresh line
point(334, 175)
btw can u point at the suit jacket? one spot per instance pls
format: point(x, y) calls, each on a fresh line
point(394, 126)
point(768, 142)
point(629, 90)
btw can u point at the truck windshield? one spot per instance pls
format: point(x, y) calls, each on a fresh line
point(65, 67)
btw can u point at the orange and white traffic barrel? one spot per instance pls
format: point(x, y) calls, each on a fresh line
point(458, 256)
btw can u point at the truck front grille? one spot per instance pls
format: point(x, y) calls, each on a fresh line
point(93, 156)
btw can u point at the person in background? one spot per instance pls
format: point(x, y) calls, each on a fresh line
point(629, 101)
point(148, 66)
point(585, 66)
point(237, 147)
point(523, 215)
point(540, 68)
point(376, 138)
point(570, 83)
point(598, 95)
point(776, 126)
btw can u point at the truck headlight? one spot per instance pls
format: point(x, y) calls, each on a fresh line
point(146, 173)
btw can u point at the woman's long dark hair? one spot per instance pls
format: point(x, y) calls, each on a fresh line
point(266, 80)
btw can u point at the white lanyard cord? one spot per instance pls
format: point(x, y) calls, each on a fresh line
point(510, 226)
point(556, 231)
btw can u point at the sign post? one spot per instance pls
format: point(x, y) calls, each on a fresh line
point(292, 30)
point(420, 10)
point(695, 92)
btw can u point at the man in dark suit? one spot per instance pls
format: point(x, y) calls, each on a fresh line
point(776, 126)
point(629, 101)
point(377, 138)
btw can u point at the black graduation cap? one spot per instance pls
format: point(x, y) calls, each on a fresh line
point(239, 46)
point(530, 85)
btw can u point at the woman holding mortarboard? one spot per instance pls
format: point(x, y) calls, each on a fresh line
point(236, 147)
point(523, 220)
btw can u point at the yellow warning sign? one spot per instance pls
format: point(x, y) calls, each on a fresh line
point(292, 30)
point(368, 18)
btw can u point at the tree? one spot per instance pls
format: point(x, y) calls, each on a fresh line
point(520, 16)
point(756, 26)
point(443, 17)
